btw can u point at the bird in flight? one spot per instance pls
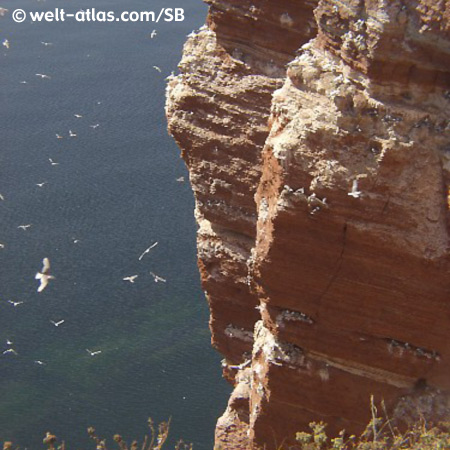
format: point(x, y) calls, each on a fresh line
point(72, 134)
point(8, 342)
point(180, 180)
point(46, 43)
point(354, 192)
point(147, 250)
point(53, 163)
point(2, 245)
point(10, 350)
point(43, 276)
point(24, 227)
point(2, 198)
point(157, 278)
point(43, 76)
point(97, 352)
point(157, 68)
point(58, 136)
point(41, 184)
point(5, 43)
point(41, 363)
point(14, 303)
point(130, 278)
point(95, 126)
point(57, 324)
point(78, 116)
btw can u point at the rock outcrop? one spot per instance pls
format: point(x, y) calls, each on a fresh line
point(317, 138)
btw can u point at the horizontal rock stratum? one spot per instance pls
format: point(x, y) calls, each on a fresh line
point(317, 139)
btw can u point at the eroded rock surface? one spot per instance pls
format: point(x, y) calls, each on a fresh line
point(317, 138)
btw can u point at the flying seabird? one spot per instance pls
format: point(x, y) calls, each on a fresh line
point(10, 350)
point(148, 249)
point(95, 126)
point(23, 82)
point(2, 198)
point(97, 352)
point(5, 43)
point(53, 163)
point(46, 43)
point(157, 68)
point(72, 134)
point(354, 192)
point(157, 278)
point(130, 278)
point(41, 363)
point(43, 276)
point(24, 227)
point(2, 245)
point(43, 76)
point(152, 34)
point(57, 324)
point(14, 303)
point(78, 116)
point(180, 179)
point(8, 342)
point(41, 184)
point(58, 136)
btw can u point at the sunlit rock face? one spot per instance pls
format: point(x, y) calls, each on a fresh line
point(317, 138)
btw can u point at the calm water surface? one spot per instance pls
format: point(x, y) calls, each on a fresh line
point(115, 192)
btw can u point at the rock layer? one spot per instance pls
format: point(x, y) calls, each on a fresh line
point(318, 144)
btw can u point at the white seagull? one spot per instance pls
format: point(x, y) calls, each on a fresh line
point(41, 363)
point(130, 278)
point(8, 342)
point(58, 136)
point(46, 43)
point(72, 134)
point(10, 350)
point(354, 192)
point(24, 227)
point(24, 82)
point(53, 163)
point(43, 276)
point(157, 278)
point(148, 249)
point(2, 198)
point(97, 352)
point(14, 303)
point(5, 43)
point(43, 76)
point(78, 116)
point(57, 324)
point(157, 68)
point(95, 126)
point(180, 179)
point(41, 184)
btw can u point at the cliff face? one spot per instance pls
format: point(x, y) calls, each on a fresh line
point(320, 299)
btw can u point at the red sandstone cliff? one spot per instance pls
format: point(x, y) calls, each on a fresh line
point(319, 298)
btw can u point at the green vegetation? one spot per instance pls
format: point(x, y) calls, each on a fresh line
point(154, 440)
point(379, 434)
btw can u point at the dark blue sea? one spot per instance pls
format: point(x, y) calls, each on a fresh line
point(112, 193)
